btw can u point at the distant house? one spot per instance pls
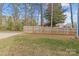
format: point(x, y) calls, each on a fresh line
point(67, 25)
point(60, 25)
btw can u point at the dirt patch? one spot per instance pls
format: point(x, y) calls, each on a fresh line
point(51, 36)
point(7, 34)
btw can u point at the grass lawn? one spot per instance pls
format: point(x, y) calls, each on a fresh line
point(37, 44)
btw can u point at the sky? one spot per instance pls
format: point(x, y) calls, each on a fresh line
point(68, 14)
point(8, 11)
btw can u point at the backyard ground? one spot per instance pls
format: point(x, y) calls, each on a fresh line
point(39, 44)
point(7, 34)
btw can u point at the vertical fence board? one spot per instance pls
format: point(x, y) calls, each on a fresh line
point(54, 30)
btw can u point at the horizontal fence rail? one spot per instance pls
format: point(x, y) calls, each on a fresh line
point(49, 30)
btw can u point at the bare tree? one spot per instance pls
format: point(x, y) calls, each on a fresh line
point(15, 11)
point(32, 10)
point(15, 15)
point(29, 12)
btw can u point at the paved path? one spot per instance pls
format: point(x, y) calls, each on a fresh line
point(7, 34)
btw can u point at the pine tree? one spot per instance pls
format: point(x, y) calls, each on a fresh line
point(58, 16)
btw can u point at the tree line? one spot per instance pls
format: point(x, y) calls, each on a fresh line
point(51, 13)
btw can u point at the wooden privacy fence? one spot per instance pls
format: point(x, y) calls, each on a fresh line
point(49, 30)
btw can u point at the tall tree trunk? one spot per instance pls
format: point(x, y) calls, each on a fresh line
point(71, 14)
point(50, 10)
point(41, 9)
point(51, 15)
point(25, 10)
point(25, 13)
point(78, 22)
point(32, 14)
point(0, 15)
point(15, 12)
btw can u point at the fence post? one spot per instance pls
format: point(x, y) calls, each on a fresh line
point(67, 31)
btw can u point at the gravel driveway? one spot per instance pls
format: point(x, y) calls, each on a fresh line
point(7, 34)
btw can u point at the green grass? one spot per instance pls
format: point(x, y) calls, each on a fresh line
point(38, 45)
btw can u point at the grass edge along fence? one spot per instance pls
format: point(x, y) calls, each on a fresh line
point(49, 30)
